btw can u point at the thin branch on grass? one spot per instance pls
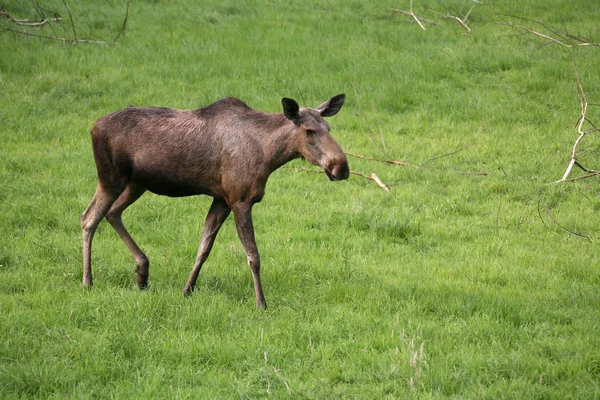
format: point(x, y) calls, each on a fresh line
point(71, 18)
point(551, 35)
point(411, 14)
point(444, 155)
point(583, 98)
point(66, 40)
point(540, 213)
point(462, 21)
point(549, 214)
point(41, 11)
point(124, 24)
point(26, 22)
point(477, 173)
point(372, 177)
point(395, 162)
point(580, 177)
point(42, 15)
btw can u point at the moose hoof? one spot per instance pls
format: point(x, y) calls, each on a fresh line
point(187, 291)
point(142, 282)
point(261, 306)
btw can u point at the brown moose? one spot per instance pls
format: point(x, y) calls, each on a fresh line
point(226, 150)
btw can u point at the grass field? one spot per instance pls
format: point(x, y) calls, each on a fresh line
point(455, 284)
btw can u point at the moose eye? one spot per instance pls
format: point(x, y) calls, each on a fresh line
point(310, 132)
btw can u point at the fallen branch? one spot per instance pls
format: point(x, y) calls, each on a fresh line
point(124, 25)
point(71, 18)
point(583, 98)
point(26, 22)
point(410, 13)
point(553, 35)
point(461, 21)
point(444, 155)
point(580, 177)
point(395, 162)
point(62, 39)
point(374, 178)
point(480, 173)
point(48, 21)
point(563, 228)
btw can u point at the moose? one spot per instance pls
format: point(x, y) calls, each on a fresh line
point(225, 150)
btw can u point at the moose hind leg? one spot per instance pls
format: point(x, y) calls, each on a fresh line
point(131, 193)
point(218, 213)
point(91, 217)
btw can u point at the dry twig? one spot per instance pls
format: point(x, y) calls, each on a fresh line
point(462, 21)
point(71, 18)
point(124, 25)
point(374, 178)
point(410, 13)
point(583, 98)
point(381, 160)
point(26, 22)
point(41, 11)
point(563, 228)
point(552, 35)
point(444, 155)
point(61, 39)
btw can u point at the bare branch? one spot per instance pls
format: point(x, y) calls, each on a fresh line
point(563, 228)
point(124, 25)
point(583, 98)
point(380, 160)
point(411, 14)
point(71, 18)
point(374, 178)
point(68, 40)
point(582, 177)
point(552, 35)
point(479, 173)
point(41, 12)
point(26, 22)
point(445, 155)
point(461, 21)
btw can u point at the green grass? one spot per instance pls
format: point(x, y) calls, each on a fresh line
point(452, 285)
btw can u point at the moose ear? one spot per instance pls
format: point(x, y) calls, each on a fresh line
point(331, 106)
point(291, 109)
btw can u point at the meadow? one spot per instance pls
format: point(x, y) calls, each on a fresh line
point(475, 276)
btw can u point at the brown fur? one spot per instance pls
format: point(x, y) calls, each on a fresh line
point(225, 150)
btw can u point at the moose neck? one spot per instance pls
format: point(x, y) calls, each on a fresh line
point(282, 143)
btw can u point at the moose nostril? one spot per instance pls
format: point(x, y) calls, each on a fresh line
point(341, 172)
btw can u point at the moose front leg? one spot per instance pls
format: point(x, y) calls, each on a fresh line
point(218, 213)
point(243, 221)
